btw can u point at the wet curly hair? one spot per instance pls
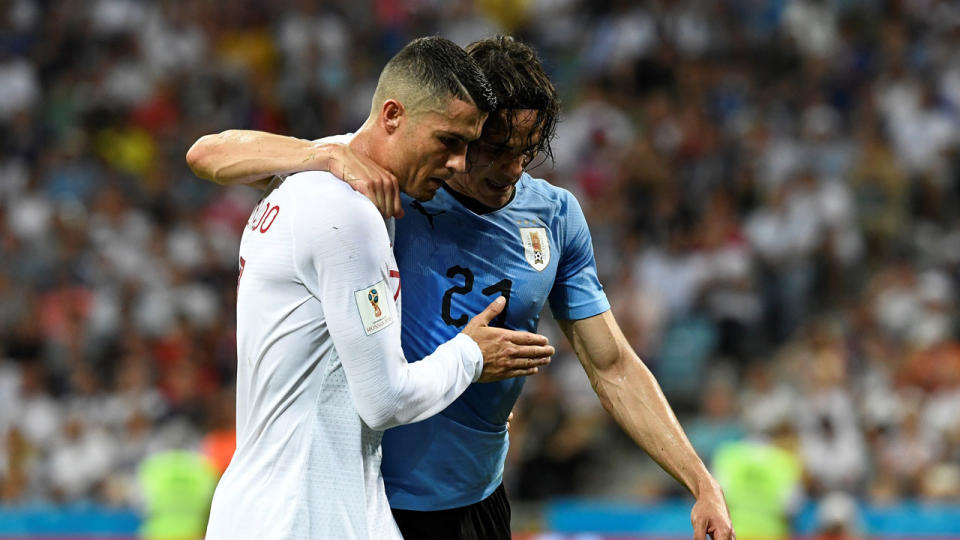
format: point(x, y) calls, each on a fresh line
point(519, 82)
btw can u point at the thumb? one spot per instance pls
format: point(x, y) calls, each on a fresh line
point(397, 206)
point(484, 317)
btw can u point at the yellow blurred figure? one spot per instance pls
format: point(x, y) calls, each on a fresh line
point(131, 150)
point(509, 14)
point(177, 489)
point(760, 481)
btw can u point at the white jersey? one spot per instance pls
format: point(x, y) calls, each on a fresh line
point(320, 371)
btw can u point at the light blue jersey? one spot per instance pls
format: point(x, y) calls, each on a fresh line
point(453, 263)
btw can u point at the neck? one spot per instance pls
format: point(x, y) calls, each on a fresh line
point(472, 204)
point(456, 185)
point(363, 142)
point(368, 142)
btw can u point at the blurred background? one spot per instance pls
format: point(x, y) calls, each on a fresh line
point(773, 188)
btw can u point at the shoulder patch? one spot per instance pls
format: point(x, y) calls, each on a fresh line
point(374, 311)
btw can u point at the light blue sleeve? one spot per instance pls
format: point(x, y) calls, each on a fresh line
point(576, 293)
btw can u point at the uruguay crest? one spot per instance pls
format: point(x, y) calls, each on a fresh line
point(536, 247)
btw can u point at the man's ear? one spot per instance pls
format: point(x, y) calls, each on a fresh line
point(392, 114)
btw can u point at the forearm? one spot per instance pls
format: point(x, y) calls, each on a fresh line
point(632, 396)
point(421, 389)
point(346, 250)
point(244, 157)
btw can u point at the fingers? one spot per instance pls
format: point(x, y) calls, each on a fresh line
point(393, 195)
point(365, 176)
point(520, 373)
point(698, 521)
point(515, 364)
point(510, 374)
point(374, 191)
point(484, 317)
point(710, 516)
point(715, 528)
point(365, 188)
point(723, 533)
point(381, 201)
point(699, 531)
point(363, 181)
point(527, 352)
point(527, 364)
point(388, 192)
point(370, 191)
point(523, 367)
point(525, 338)
point(716, 533)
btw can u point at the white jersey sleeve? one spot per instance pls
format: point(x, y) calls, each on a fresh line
point(344, 257)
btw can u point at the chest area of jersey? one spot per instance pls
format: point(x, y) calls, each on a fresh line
point(455, 265)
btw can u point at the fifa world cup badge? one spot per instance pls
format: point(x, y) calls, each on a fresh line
point(374, 299)
point(373, 316)
point(536, 247)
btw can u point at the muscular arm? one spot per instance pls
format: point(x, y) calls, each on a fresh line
point(248, 157)
point(630, 393)
point(253, 157)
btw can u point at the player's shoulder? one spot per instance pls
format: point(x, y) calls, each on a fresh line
point(561, 199)
point(321, 195)
point(338, 139)
point(313, 182)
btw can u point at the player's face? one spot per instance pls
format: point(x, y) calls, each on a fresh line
point(495, 162)
point(433, 147)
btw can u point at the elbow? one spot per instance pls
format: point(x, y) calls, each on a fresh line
point(612, 362)
point(382, 425)
point(611, 374)
point(197, 153)
point(201, 154)
point(379, 420)
point(379, 414)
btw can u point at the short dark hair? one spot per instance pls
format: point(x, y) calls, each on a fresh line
point(519, 82)
point(431, 69)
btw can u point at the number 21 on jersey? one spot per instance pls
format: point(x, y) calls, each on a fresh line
point(501, 287)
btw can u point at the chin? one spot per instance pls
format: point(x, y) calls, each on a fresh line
point(424, 195)
point(494, 199)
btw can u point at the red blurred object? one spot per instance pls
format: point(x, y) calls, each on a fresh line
point(219, 445)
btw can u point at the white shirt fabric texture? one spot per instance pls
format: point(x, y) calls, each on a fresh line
point(320, 370)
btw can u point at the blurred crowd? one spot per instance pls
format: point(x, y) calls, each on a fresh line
point(772, 187)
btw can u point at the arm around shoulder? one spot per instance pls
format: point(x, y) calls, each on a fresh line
point(254, 157)
point(244, 157)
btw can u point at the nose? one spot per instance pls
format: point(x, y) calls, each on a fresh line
point(514, 167)
point(457, 161)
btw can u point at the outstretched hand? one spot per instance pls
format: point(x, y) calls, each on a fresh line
point(710, 516)
point(365, 176)
point(506, 353)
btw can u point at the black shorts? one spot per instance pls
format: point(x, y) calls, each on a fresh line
point(488, 519)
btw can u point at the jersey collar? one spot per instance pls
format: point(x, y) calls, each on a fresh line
point(478, 207)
